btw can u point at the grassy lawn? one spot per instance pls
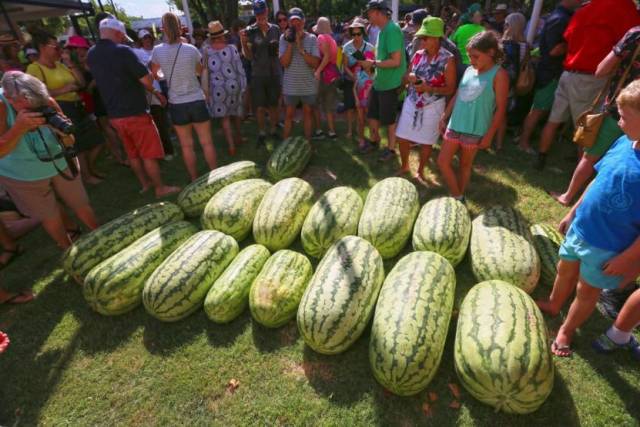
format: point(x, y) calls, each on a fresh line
point(69, 365)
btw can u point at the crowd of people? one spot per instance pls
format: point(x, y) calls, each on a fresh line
point(463, 79)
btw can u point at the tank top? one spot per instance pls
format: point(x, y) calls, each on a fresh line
point(22, 163)
point(475, 102)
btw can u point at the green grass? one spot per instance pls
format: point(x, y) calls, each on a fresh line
point(69, 365)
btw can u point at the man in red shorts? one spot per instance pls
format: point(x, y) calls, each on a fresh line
point(122, 81)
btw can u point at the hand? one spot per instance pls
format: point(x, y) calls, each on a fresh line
point(485, 142)
point(244, 37)
point(442, 125)
point(422, 87)
point(564, 225)
point(160, 97)
point(367, 64)
point(317, 74)
point(29, 120)
point(622, 265)
point(412, 78)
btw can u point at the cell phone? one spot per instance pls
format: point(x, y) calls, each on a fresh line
point(358, 55)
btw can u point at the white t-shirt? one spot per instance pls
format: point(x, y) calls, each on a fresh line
point(145, 57)
point(182, 81)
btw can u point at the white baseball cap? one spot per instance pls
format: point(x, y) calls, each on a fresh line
point(144, 33)
point(114, 24)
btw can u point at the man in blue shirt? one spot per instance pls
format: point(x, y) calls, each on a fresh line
point(602, 246)
point(123, 82)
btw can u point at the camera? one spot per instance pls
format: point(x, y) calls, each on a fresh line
point(290, 35)
point(251, 30)
point(55, 120)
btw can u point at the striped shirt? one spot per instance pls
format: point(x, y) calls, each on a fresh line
point(183, 84)
point(298, 79)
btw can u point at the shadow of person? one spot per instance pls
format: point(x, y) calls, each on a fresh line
point(163, 338)
point(268, 340)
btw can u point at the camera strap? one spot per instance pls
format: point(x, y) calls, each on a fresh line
point(174, 65)
point(68, 154)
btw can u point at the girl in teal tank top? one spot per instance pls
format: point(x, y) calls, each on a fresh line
point(476, 111)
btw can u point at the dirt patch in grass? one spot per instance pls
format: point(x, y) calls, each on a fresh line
point(319, 177)
point(312, 371)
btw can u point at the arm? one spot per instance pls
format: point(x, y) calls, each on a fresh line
point(608, 65)
point(204, 75)
point(447, 114)
point(501, 87)
point(154, 70)
point(246, 46)
point(563, 227)
point(286, 52)
point(26, 121)
point(449, 81)
point(312, 59)
point(147, 82)
point(626, 264)
point(324, 48)
point(558, 50)
point(394, 61)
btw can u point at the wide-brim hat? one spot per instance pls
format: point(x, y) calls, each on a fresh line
point(359, 22)
point(432, 26)
point(216, 29)
point(323, 25)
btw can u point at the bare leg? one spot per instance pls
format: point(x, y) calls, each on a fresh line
point(92, 158)
point(87, 216)
point(580, 310)
point(19, 227)
point(203, 130)
point(502, 132)
point(349, 123)
point(361, 121)
point(185, 136)
point(5, 239)
point(425, 153)
point(467, 155)
point(139, 170)
point(274, 114)
point(548, 136)
point(374, 128)
point(529, 125)
point(290, 112)
point(391, 136)
point(445, 158)
point(55, 228)
point(85, 170)
point(629, 316)
point(563, 286)
point(331, 122)
point(316, 117)
point(307, 111)
point(237, 132)
point(228, 134)
point(581, 175)
point(405, 150)
point(113, 140)
point(153, 171)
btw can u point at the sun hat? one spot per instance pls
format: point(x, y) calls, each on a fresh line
point(77, 41)
point(296, 13)
point(259, 6)
point(358, 22)
point(432, 26)
point(323, 26)
point(216, 29)
point(144, 33)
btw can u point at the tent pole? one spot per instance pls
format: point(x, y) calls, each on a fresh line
point(187, 15)
point(533, 23)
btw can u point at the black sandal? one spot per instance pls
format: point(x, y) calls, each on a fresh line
point(74, 234)
point(13, 254)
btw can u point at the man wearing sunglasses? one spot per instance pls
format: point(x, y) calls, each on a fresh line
point(260, 43)
point(390, 66)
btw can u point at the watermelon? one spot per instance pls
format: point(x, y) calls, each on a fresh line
point(276, 292)
point(341, 296)
point(444, 227)
point(227, 297)
point(115, 285)
point(289, 158)
point(194, 197)
point(501, 349)
point(179, 285)
point(547, 241)
point(281, 213)
point(231, 210)
point(388, 215)
point(411, 322)
point(332, 217)
point(109, 239)
point(502, 249)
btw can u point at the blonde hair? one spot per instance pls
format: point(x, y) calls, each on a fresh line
point(171, 27)
point(514, 27)
point(630, 96)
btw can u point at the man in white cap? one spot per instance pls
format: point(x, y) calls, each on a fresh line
point(499, 15)
point(123, 82)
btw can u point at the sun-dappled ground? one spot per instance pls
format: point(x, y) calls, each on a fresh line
point(68, 365)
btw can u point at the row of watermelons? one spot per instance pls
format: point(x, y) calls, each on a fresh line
point(153, 256)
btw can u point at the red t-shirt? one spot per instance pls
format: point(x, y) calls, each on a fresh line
point(593, 31)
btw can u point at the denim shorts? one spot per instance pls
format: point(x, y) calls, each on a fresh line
point(591, 259)
point(189, 112)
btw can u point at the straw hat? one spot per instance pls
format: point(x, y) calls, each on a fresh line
point(359, 22)
point(216, 29)
point(323, 26)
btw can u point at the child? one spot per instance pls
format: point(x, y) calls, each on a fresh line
point(361, 90)
point(477, 111)
point(602, 247)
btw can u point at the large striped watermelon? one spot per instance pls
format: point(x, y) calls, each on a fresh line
point(289, 158)
point(501, 249)
point(501, 351)
point(332, 217)
point(193, 198)
point(179, 285)
point(341, 296)
point(115, 285)
point(444, 227)
point(232, 209)
point(547, 241)
point(388, 215)
point(228, 296)
point(109, 239)
point(411, 322)
point(281, 213)
point(276, 292)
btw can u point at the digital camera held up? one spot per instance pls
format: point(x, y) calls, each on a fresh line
point(290, 35)
point(55, 120)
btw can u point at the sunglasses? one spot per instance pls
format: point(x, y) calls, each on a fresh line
point(356, 34)
point(282, 20)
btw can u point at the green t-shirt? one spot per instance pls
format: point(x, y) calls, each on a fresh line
point(462, 36)
point(390, 40)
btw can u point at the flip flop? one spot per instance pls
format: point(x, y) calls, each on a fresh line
point(19, 298)
point(74, 234)
point(13, 254)
point(561, 350)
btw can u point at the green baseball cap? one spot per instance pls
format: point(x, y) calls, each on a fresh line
point(432, 26)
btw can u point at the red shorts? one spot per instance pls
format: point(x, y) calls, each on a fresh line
point(139, 136)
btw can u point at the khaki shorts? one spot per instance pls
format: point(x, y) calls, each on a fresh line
point(574, 96)
point(37, 199)
point(327, 97)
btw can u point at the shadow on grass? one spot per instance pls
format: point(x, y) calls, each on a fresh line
point(268, 340)
point(225, 335)
point(163, 338)
point(342, 378)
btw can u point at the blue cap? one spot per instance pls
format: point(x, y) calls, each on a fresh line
point(259, 6)
point(296, 13)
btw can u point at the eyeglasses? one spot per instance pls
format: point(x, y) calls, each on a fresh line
point(356, 34)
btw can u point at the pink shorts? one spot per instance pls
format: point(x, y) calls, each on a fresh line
point(464, 139)
point(139, 136)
